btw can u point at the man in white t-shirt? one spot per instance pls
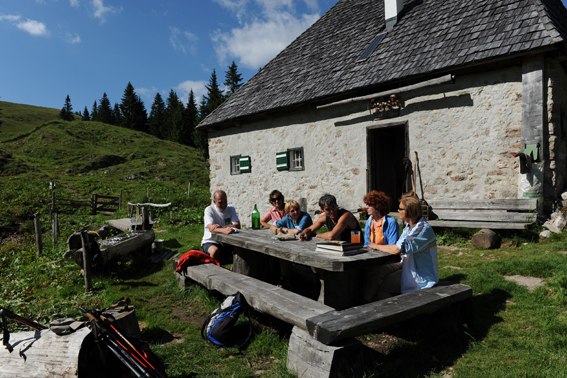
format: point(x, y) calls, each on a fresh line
point(221, 219)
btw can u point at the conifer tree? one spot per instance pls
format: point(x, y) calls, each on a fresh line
point(116, 115)
point(157, 118)
point(174, 117)
point(66, 112)
point(188, 132)
point(134, 113)
point(233, 79)
point(200, 136)
point(85, 116)
point(94, 112)
point(104, 113)
point(214, 97)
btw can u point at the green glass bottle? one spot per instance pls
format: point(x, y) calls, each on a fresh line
point(255, 218)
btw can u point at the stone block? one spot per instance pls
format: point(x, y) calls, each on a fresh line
point(308, 358)
point(486, 239)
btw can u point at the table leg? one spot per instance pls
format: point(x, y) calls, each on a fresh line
point(256, 265)
point(340, 289)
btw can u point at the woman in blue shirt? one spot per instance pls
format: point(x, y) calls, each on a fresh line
point(418, 248)
point(380, 228)
point(294, 220)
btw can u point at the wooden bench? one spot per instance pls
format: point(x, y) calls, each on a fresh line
point(322, 342)
point(334, 326)
point(509, 214)
point(263, 297)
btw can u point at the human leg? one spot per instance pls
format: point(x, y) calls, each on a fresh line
point(377, 277)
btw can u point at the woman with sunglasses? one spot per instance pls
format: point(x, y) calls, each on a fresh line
point(418, 248)
point(275, 213)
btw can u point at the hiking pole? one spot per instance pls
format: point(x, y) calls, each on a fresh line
point(132, 348)
point(101, 334)
point(4, 315)
point(20, 319)
point(120, 346)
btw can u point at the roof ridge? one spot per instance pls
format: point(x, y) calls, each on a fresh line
point(544, 8)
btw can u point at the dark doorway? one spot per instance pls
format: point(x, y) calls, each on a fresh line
point(387, 149)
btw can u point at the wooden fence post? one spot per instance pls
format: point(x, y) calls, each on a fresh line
point(52, 187)
point(37, 227)
point(54, 227)
point(93, 203)
point(87, 263)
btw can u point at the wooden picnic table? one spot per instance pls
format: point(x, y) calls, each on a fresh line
point(341, 277)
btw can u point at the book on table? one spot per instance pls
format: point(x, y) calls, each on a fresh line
point(339, 246)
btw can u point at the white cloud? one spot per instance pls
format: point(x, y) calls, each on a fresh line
point(74, 3)
point(73, 38)
point(183, 41)
point(32, 27)
point(100, 10)
point(198, 87)
point(256, 42)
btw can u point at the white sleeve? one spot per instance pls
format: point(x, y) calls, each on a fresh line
point(208, 218)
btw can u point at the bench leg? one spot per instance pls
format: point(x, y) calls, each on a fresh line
point(309, 358)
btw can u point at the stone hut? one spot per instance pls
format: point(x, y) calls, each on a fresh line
point(477, 88)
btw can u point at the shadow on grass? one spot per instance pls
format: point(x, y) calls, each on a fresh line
point(430, 343)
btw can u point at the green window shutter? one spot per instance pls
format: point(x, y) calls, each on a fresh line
point(245, 165)
point(282, 161)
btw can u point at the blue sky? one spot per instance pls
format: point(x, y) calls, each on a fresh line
point(83, 48)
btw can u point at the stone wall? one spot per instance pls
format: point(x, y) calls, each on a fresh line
point(557, 142)
point(465, 134)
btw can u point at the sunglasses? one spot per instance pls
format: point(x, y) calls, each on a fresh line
point(274, 200)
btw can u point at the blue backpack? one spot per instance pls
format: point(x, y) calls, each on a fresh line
point(221, 329)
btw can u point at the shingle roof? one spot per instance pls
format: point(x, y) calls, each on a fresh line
point(431, 36)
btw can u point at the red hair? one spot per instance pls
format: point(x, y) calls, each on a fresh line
point(378, 200)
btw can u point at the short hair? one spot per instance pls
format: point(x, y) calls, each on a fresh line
point(275, 194)
point(291, 204)
point(219, 193)
point(327, 200)
point(378, 200)
point(412, 207)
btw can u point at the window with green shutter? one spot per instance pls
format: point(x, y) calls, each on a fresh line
point(290, 160)
point(282, 161)
point(245, 165)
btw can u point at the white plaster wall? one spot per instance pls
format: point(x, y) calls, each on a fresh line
point(465, 134)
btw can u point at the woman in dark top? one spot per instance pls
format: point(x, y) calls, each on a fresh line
point(339, 222)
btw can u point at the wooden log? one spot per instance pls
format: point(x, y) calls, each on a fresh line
point(42, 354)
point(476, 224)
point(139, 242)
point(486, 216)
point(493, 204)
point(334, 326)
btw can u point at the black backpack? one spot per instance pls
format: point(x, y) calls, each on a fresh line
point(221, 329)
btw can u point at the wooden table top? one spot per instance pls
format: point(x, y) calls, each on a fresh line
point(302, 252)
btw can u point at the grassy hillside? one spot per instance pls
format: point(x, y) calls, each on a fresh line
point(18, 119)
point(84, 158)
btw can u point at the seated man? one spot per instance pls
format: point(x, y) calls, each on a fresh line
point(339, 222)
point(219, 218)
